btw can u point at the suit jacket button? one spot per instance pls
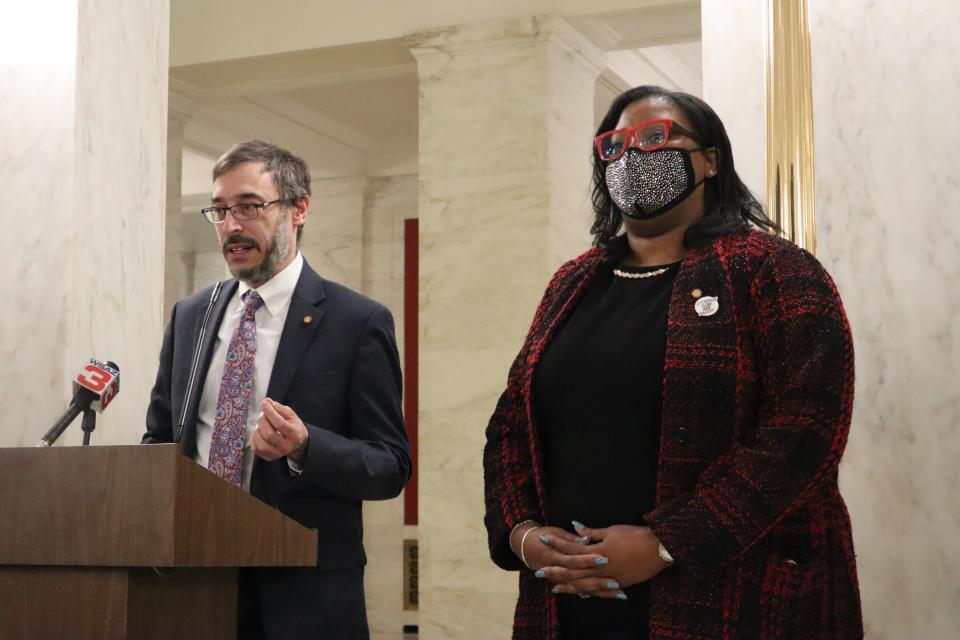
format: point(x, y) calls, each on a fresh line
point(682, 435)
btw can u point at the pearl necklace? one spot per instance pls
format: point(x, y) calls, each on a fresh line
point(636, 276)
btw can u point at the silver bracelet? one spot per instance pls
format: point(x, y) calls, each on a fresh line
point(522, 540)
point(520, 524)
point(514, 530)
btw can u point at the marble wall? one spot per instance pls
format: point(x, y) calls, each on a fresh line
point(333, 236)
point(734, 81)
point(886, 83)
point(506, 118)
point(885, 86)
point(178, 257)
point(36, 162)
point(82, 159)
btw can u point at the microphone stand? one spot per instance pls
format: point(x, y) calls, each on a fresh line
point(88, 425)
point(60, 425)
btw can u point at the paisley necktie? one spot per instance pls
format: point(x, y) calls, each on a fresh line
point(230, 424)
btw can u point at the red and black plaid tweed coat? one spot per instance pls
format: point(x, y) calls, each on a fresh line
point(756, 409)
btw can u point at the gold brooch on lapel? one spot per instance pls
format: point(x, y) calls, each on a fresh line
point(696, 293)
point(307, 319)
point(707, 306)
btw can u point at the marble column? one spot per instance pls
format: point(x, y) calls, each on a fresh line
point(37, 122)
point(506, 121)
point(179, 259)
point(83, 128)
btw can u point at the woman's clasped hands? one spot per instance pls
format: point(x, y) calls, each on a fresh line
point(595, 562)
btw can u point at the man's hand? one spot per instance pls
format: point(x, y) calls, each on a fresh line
point(632, 554)
point(280, 432)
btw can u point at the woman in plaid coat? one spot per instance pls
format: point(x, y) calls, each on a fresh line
point(743, 533)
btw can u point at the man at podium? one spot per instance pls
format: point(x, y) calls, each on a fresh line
point(287, 385)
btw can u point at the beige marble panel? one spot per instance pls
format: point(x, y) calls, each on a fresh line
point(332, 237)
point(208, 268)
point(178, 269)
point(506, 120)
point(38, 50)
point(83, 157)
point(734, 80)
point(573, 67)
point(389, 201)
point(888, 231)
point(383, 541)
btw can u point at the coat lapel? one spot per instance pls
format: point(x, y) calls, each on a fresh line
point(701, 354)
point(562, 296)
point(298, 331)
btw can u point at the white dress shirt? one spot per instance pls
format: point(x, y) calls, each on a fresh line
point(270, 317)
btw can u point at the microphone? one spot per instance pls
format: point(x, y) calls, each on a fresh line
point(94, 387)
point(214, 296)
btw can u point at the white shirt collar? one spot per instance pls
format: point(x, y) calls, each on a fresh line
point(277, 291)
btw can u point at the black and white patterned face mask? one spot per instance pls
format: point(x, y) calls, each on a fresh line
point(646, 184)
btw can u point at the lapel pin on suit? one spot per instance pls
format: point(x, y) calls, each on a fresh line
point(707, 306)
point(307, 319)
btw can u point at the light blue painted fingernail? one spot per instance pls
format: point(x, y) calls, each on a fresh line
point(540, 574)
point(544, 538)
point(612, 585)
point(621, 596)
point(577, 525)
point(602, 560)
point(583, 539)
point(555, 590)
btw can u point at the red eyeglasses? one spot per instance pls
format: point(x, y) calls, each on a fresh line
point(646, 136)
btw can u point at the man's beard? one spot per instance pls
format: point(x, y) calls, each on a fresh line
point(274, 255)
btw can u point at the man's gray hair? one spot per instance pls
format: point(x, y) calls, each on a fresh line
point(290, 173)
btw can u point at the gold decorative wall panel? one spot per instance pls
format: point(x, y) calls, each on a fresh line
point(790, 178)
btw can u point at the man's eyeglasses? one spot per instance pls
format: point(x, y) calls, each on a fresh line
point(646, 136)
point(242, 211)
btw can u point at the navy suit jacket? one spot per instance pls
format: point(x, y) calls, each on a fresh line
point(340, 372)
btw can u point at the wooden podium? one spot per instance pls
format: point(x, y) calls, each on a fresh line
point(131, 542)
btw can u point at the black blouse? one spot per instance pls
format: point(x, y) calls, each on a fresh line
point(598, 396)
